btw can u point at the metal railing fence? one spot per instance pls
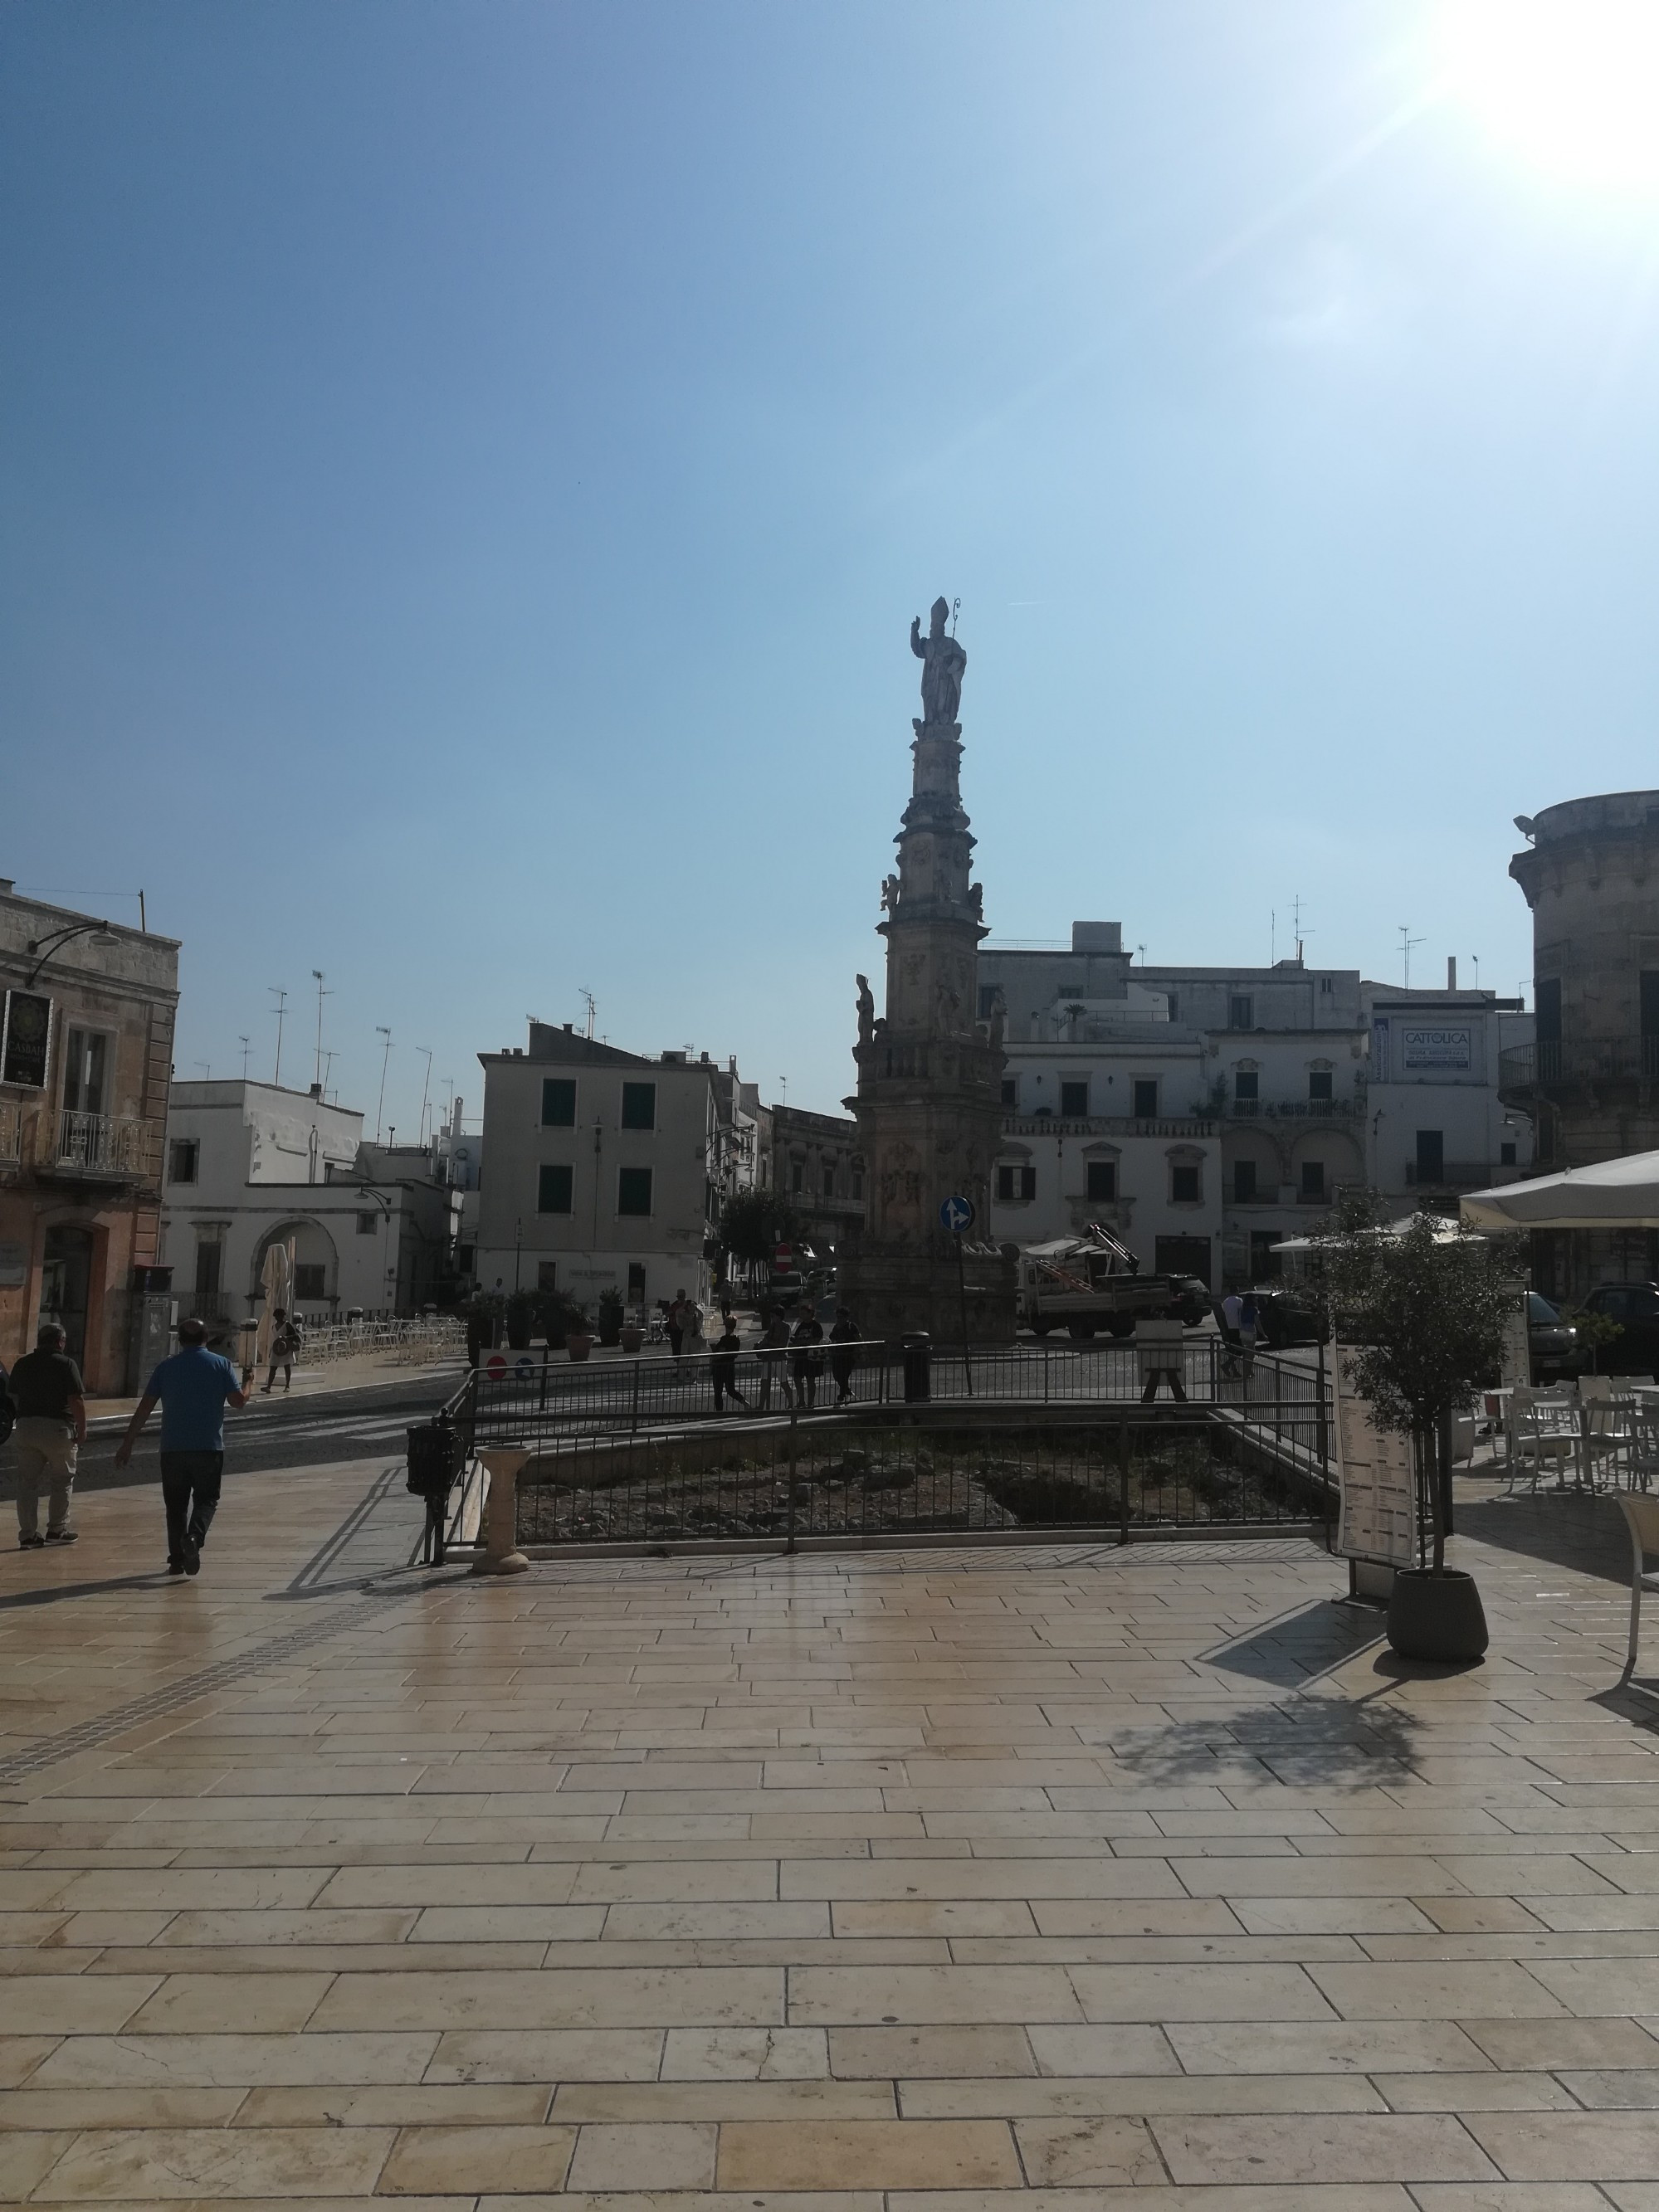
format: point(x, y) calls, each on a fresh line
point(535, 1395)
point(887, 1475)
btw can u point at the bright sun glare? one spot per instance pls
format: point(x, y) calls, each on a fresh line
point(1572, 86)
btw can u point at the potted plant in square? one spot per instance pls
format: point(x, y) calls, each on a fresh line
point(578, 1336)
point(611, 1316)
point(1424, 1309)
point(520, 1319)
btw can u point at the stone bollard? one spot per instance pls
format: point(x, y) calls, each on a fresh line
point(502, 1555)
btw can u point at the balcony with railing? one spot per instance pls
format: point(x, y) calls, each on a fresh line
point(1456, 1175)
point(1571, 1060)
point(109, 1147)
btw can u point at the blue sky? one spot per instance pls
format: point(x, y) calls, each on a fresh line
point(468, 470)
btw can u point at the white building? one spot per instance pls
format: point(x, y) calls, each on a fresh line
point(1436, 1124)
point(251, 1165)
point(1208, 1113)
point(604, 1170)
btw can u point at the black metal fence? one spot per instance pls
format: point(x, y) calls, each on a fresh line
point(889, 1474)
point(520, 1397)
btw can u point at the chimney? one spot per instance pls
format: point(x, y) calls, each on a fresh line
point(569, 1028)
point(316, 1089)
point(7, 886)
point(1451, 971)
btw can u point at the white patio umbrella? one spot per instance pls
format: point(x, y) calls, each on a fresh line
point(1613, 1195)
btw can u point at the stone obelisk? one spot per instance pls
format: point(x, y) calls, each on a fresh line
point(929, 1098)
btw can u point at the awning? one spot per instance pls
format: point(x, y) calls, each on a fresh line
point(1615, 1195)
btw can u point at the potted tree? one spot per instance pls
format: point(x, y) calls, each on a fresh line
point(1424, 1309)
point(520, 1319)
point(611, 1316)
point(578, 1336)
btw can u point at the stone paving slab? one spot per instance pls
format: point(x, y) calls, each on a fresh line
point(906, 1883)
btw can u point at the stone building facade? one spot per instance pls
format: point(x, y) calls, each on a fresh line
point(1590, 1080)
point(87, 1012)
point(928, 1105)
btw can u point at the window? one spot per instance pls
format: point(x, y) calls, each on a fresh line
point(1431, 1156)
point(1243, 1182)
point(1506, 1156)
point(1145, 1098)
point(1015, 1185)
point(85, 1063)
point(638, 1108)
point(310, 1281)
point(1313, 1181)
point(987, 996)
point(553, 1189)
point(1010, 1092)
point(1174, 998)
point(1241, 1013)
point(1186, 1186)
point(184, 1159)
point(829, 1181)
point(466, 1259)
point(547, 1275)
point(1266, 1265)
point(1324, 987)
point(1246, 1085)
point(1074, 1099)
point(858, 1183)
point(636, 1282)
point(633, 1184)
point(208, 1261)
point(797, 1177)
point(558, 1101)
point(368, 1223)
point(1101, 1186)
point(1319, 1086)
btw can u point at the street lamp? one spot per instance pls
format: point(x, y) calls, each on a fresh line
point(100, 933)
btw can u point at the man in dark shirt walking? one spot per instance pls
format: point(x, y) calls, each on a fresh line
point(194, 1388)
point(52, 1426)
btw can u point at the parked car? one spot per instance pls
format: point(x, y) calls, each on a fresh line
point(1553, 1342)
point(1192, 1302)
point(1634, 1307)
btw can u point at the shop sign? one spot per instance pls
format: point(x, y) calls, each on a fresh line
point(25, 1040)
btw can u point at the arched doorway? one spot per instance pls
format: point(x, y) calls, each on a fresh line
point(66, 1286)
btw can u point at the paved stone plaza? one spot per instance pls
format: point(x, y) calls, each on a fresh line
point(916, 1878)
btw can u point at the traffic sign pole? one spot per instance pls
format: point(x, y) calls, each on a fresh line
point(956, 1215)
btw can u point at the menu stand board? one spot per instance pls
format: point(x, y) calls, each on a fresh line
point(1376, 1533)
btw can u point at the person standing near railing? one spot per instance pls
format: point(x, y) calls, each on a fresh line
point(674, 1326)
point(774, 1338)
point(843, 1364)
point(723, 1369)
point(807, 1362)
point(284, 1344)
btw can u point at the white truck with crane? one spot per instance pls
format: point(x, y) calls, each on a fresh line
point(1093, 1282)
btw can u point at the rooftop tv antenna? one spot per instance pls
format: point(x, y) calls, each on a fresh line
point(1407, 943)
point(1297, 923)
point(586, 997)
point(425, 1090)
point(246, 1044)
point(281, 997)
point(317, 976)
point(380, 1030)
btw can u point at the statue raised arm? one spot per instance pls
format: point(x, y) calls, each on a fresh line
point(943, 663)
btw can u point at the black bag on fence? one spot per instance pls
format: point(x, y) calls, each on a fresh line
point(434, 1454)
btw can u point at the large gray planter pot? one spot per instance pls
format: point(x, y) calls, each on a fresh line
point(1437, 1617)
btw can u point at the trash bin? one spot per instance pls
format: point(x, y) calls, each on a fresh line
point(918, 1354)
point(434, 1456)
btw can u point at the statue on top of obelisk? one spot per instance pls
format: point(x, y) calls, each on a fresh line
point(943, 663)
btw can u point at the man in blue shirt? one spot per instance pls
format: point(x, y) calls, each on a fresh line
point(194, 1388)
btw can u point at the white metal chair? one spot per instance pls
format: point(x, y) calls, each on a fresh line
point(1605, 1423)
point(1642, 1515)
point(1543, 1431)
point(1643, 1463)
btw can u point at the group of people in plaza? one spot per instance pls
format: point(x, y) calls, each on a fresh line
point(791, 1363)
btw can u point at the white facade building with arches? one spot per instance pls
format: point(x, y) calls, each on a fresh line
point(252, 1164)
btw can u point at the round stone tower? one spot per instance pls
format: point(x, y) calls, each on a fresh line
point(1591, 1080)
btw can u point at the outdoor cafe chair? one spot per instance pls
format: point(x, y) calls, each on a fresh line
point(1642, 1515)
point(1643, 1463)
point(1543, 1431)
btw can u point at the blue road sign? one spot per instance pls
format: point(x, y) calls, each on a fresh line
point(956, 1214)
